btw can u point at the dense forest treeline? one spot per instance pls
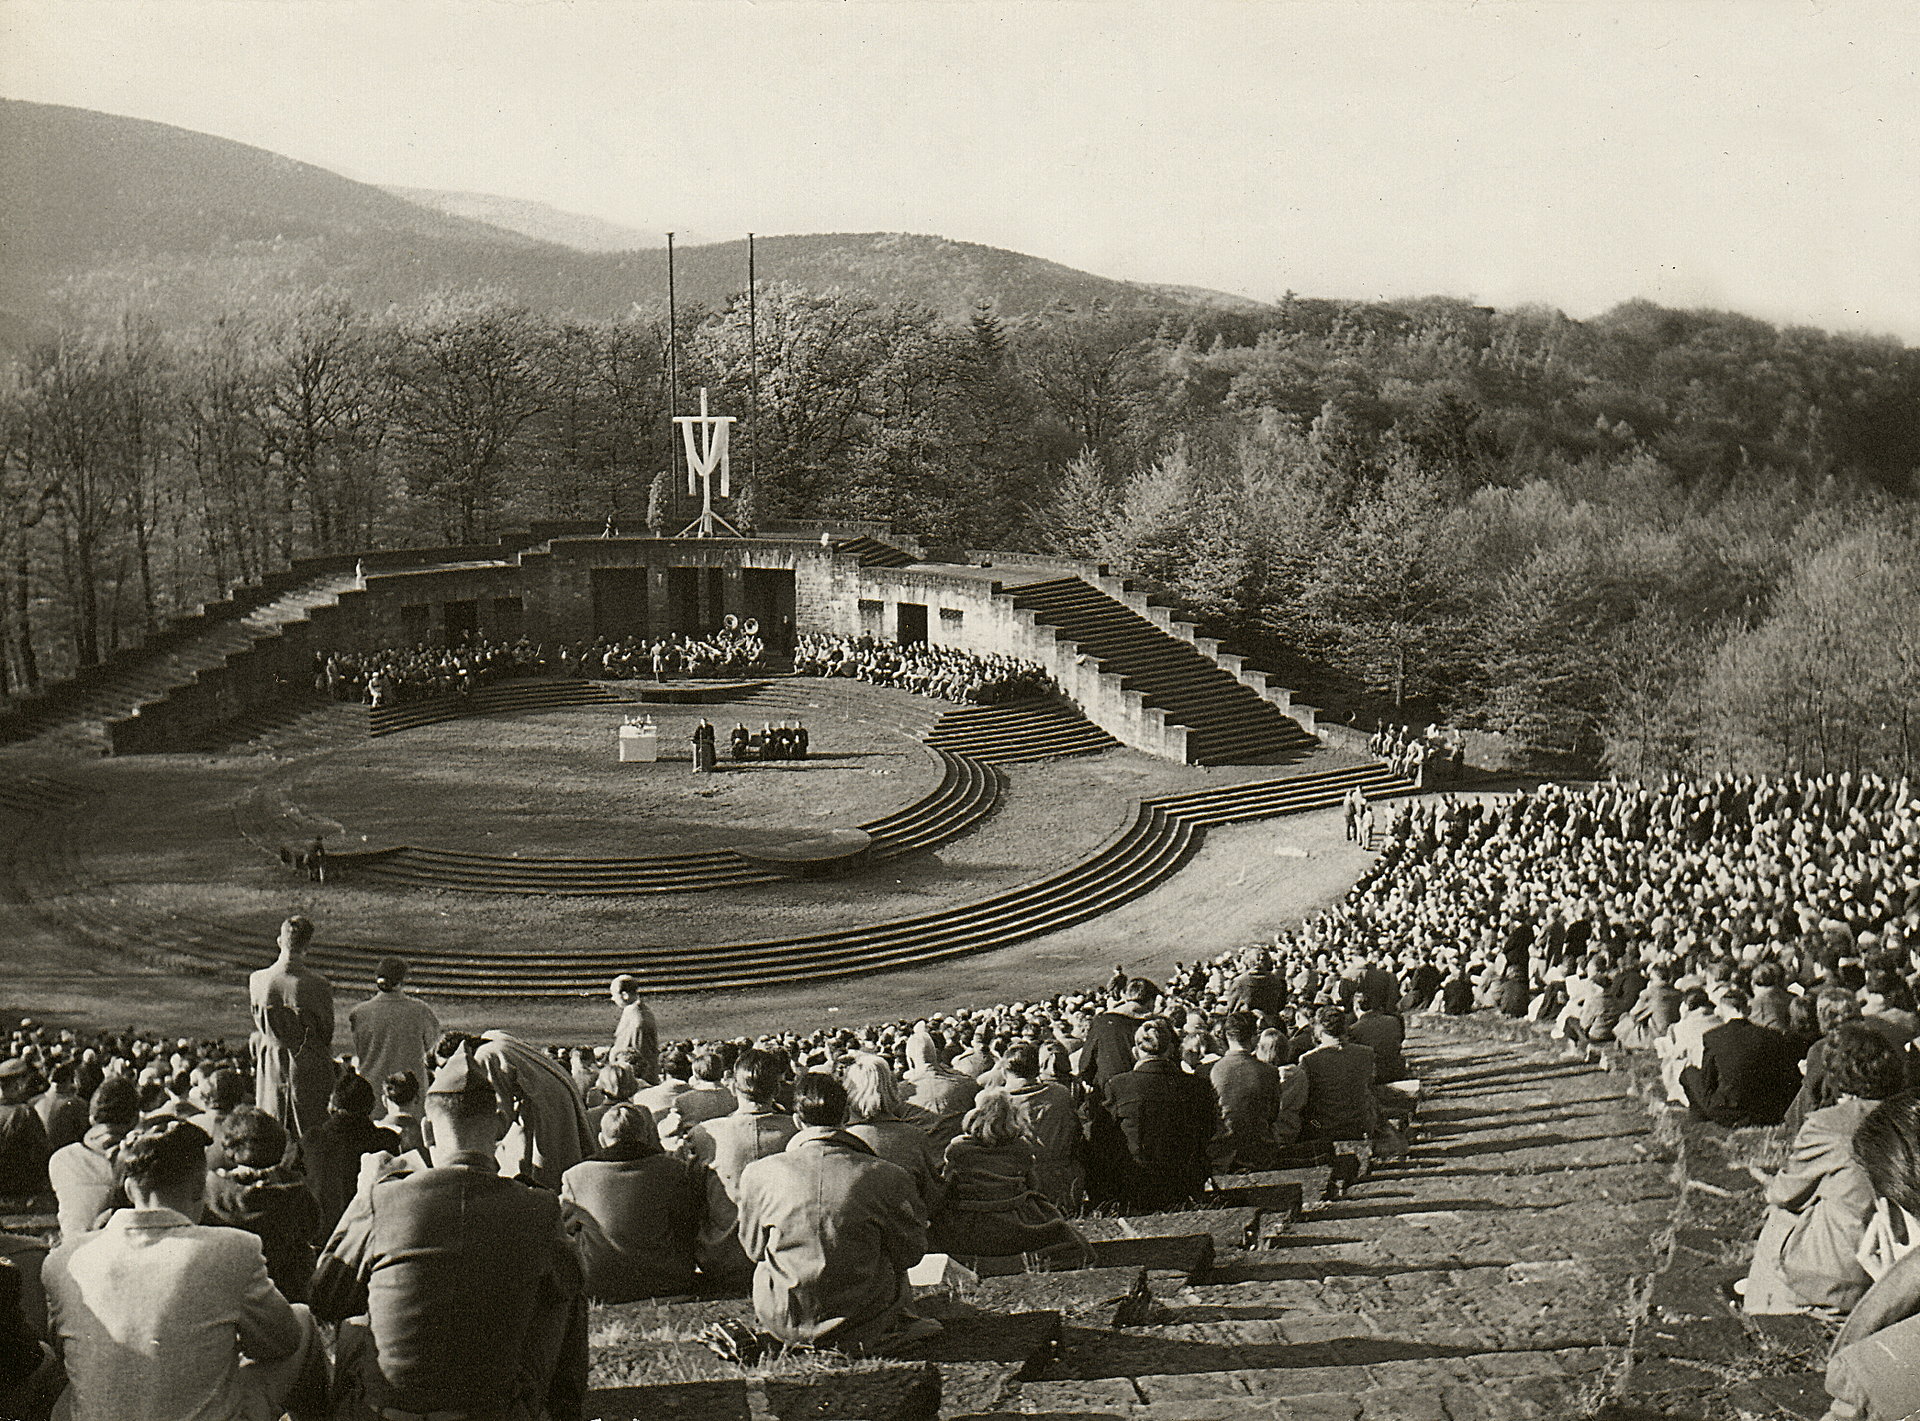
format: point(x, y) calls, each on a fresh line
point(1654, 539)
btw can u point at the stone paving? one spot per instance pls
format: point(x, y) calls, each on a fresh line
point(1492, 1274)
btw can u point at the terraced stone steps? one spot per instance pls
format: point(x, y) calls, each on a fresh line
point(1490, 1274)
point(1227, 722)
point(968, 791)
point(1013, 734)
point(78, 723)
point(501, 698)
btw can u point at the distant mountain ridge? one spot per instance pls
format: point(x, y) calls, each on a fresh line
point(542, 222)
point(196, 224)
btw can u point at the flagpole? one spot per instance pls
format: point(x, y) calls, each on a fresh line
point(753, 359)
point(673, 361)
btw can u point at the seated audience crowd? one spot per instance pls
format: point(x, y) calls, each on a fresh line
point(1758, 939)
point(946, 673)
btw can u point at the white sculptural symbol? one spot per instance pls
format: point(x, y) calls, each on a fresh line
point(705, 437)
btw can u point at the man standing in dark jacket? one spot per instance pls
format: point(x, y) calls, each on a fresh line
point(1749, 1074)
point(1168, 1120)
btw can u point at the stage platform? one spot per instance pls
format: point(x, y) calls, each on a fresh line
point(822, 856)
point(689, 693)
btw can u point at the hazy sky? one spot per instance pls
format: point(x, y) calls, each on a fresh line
point(1752, 154)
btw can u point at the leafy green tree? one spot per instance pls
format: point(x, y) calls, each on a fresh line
point(1386, 592)
point(469, 377)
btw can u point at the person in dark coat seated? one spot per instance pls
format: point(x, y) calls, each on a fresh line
point(634, 1211)
point(1168, 1120)
point(1248, 1090)
point(259, 1191)
point(334, 1147)
point(1749, 1074)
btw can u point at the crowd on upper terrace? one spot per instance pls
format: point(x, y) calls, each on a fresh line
point(1682, 918)
point(944, 672)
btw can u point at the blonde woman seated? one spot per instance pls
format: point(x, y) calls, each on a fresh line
point(891, 1127)
point(1819, 1203)
point(994, 1208)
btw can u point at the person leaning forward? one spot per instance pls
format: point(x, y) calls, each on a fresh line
point(458, 1293)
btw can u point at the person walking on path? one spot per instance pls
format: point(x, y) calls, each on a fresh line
point(292, 1033)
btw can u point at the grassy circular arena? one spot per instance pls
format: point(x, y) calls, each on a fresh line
point(550, 784)
point(168, 840)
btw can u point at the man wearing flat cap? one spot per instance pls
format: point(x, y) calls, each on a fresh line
point(457, 1291)
point(23, 1139)
point(393, 1033)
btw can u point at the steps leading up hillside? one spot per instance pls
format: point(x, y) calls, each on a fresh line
point(79, 724)
point(1227, 722)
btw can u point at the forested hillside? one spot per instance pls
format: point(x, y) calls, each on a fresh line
point(1653, 539)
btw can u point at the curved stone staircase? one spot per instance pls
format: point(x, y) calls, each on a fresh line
point(968, 791)
point(1162, 835)
point(1226, 720)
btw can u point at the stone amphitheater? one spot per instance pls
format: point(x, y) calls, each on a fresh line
point(1552, 1245)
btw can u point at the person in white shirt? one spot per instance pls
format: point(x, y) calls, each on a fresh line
point(157, 1318)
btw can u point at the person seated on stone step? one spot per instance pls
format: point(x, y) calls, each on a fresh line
point(1248, 1092)
point(994, 1206)
point(1873, 1371)
point(1166, 1121)
point(84, 1183)
point(158, 1315)
point(1381, 1031)
point(942, 1094)
point(262, 1187)
point(705, 1098)
point(23, 1135)
point(758, 1127)
point(1340, 1101)
point(1680, 1049)
point(1819, 1201)
point(333, 1149)
point(1748, 1074)
point(832, 1229)
point(894, 1129)
point(1043, 1105)
point(454, 1289)
point(634, 1211)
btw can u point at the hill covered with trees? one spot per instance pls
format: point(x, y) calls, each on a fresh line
point(102, 209)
